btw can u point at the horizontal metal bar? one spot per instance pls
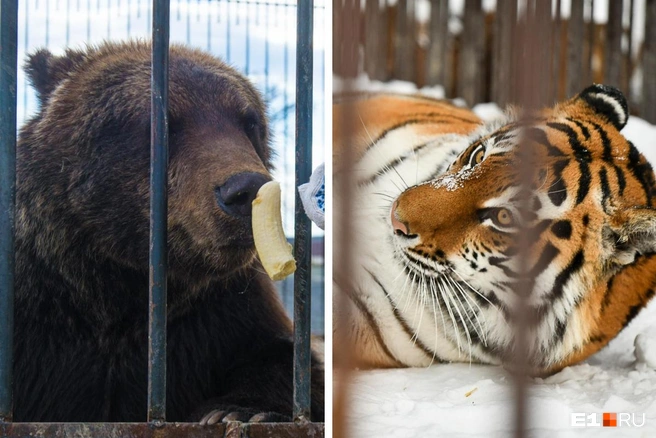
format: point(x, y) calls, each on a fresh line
point(165, 430)
point(159, 157)
point(303, 230)
point(8, 66)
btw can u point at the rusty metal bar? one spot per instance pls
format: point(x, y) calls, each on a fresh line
point(303, 230)
point(159, 157)
point(166, 430)
point(8, 67)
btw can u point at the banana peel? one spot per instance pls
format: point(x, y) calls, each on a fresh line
point(270, 241)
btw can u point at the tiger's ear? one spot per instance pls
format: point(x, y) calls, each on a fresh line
point(607, 101)
point(633, 232)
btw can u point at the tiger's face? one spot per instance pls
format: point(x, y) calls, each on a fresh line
point(584, 211)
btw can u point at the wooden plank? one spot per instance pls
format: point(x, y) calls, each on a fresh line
point(588, 72)
point(628, 64)
point(404, 41)
point(613, 64)
point(543, 27)
point(374, 54)
point(575, 49)
point(437, 50)
point(556, 54)
point(472, 53)
point(649, 64)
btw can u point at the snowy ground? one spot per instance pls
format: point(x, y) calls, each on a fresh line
point(462, 400)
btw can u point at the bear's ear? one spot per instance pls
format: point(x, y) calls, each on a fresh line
point(633, 231)
point(607, 101)
point(46, 71)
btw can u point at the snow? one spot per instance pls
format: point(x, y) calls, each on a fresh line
point(644, 349)
point(463, 400)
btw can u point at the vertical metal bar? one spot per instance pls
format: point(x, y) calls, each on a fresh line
point(8, 84)
point(302, 232)
point(159, 157)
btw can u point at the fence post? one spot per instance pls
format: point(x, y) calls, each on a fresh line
point(437, 64)
point(502, 52)
point(158, 212)
point(471, 53)
point(8, 83)
point(614, 44)
point(404, 41)
point(373, 44)
point(649, 64)
point(303, 231)
point(575, 48)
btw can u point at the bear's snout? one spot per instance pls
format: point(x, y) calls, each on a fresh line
point(236, 195)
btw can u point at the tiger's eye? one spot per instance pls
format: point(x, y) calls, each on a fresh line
point(478, 156)
point(504, 217)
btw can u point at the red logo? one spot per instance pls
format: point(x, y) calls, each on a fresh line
point(610, 419)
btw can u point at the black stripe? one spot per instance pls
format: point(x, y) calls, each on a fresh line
point(582, 156)
point(558, 190)
point(371, 321)
point(406, 328)
point(642, 171)
point(417, 121)
point(561, 280)
point(562, 229)
point(390, 165)
point(605, 187)
point(546, 257)
point(582, 127)
point(559, 332)
point(609, 286)
point(621, 180)
point(605, 141)
point(540, 137)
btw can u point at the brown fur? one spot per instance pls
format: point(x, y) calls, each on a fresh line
point(82, 245)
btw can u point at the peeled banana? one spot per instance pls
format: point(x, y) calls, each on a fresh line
point(270, 241)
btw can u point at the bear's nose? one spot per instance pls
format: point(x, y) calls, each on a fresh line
point(236, 195)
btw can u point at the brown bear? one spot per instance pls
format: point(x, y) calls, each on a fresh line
point(82, 245)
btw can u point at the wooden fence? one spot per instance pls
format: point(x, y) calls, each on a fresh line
point(471, 54)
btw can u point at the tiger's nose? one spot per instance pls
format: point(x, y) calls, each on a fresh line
point(399, 227)
point(236, 195)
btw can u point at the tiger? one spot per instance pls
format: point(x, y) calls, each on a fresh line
point(438, 206)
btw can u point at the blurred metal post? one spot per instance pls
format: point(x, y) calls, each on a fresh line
point(8, 67)
point(159, 157)
point(303, 230)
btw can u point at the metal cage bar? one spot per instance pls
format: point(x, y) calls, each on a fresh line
point(159, 157)
point(303, 230)
point(8, 67)
point(156, 425)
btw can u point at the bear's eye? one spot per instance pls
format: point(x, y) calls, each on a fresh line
point(249, 122)
point(477, 156)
